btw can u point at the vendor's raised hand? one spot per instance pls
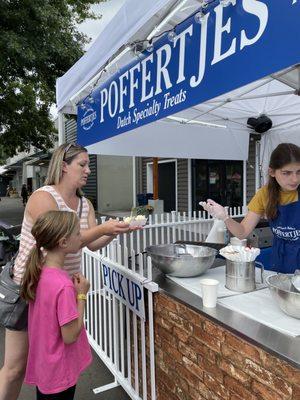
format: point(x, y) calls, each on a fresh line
point(215, 209)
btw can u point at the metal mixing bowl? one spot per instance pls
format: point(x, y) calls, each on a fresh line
point(288, 299)
point(182, 260)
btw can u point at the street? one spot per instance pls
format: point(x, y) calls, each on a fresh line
point(11, 212)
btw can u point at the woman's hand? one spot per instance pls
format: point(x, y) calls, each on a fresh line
point(215, 209)
point(114, 227)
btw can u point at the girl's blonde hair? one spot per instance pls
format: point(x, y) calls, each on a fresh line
point(48, 230)
point(65, 152)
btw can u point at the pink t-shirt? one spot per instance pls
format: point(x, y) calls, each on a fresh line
point(52, 365)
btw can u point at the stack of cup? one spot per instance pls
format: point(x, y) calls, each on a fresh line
point(209, 289)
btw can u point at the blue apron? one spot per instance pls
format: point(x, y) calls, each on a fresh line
point(286, 242)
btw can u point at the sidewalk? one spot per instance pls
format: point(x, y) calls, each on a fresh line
point(11, 212)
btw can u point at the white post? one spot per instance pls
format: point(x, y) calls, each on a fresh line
point(134, 181)
point(190, 206)
point(61, 128)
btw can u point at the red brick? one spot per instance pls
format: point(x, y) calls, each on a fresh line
point(192, 367)
point(187, 351)
point(280, 368)
point(267, 378)
point(188, 375)
point(234, 372)
point(164, 323)
point(181, 394)
point(202, 349)
point(180, 322)
point(165, 335)
point(181, 334)
point(212, 369)
point(195, 394)
point(165, 380)
point(232, 355)
point(206, 393)
point(266, 393)
point(215, 387)
point(207, 339)
point(214, 330)
point(242, 347)
point(164, 302)
point(174, 353)
point(188, 314)
point(296, 392)
point(238, 388)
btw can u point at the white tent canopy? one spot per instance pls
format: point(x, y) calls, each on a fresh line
point(182, 135)
point(133, 15)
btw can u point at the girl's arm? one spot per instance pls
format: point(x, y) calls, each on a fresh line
point(240, 230)
point(245, 227)
point(71, 331)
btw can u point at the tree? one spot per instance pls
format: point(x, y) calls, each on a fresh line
point(39, 42)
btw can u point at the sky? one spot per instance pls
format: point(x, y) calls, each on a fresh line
point(92, 28)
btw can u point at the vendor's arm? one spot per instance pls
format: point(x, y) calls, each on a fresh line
point(245, 227)
point(241, 230)
point(110, 230)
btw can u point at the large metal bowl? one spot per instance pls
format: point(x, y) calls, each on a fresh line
point(281, 289)
point(182, 260)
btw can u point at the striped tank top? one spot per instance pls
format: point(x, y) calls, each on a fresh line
point(72, 261)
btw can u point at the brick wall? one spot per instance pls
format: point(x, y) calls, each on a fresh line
point(197, 359)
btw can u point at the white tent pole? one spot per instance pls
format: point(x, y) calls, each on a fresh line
point(190, 206)
point(61, 128)
point(134, 181)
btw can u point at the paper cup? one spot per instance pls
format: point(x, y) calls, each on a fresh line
point(209, 289)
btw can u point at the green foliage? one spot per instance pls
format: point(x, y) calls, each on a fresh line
point(39, 42)
point(142, 210)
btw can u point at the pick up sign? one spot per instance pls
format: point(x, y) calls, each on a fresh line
point(124, 286)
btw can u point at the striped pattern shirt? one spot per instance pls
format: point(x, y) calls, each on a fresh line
point(72, 261)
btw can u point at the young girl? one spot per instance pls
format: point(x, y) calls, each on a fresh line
point(279, 201)
point(58, 346)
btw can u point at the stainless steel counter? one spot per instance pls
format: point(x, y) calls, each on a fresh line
point(277, 343)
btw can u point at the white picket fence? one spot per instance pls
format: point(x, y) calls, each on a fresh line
point(116, 333)
point(172, 227)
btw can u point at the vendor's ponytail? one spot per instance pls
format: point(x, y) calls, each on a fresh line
point(285, 153)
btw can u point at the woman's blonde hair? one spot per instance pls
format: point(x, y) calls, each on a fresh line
point(65, 152)
point(48, 230)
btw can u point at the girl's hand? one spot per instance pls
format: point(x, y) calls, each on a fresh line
point(82, 285)
point(215, 209)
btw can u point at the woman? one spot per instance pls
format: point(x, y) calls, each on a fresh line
point(67, 174)
point(279, 201)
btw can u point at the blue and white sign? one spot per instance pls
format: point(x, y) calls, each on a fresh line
point(125, 287)
point(231, 47)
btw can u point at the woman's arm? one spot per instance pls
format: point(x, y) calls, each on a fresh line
point(42, 201)
point(100, 242)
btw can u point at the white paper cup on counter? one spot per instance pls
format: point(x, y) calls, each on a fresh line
point(209, 288)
